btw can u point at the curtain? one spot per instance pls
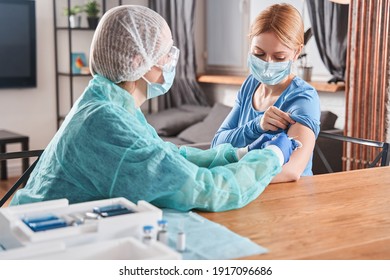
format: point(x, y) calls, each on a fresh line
point(330, 27)
point(179, 15)
point(368, 78)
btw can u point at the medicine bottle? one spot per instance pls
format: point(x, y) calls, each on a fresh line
point(162, 234)
point(181, 242)
point(147, 236)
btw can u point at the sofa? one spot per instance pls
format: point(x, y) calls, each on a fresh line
point(189, 124)
point(196, 126)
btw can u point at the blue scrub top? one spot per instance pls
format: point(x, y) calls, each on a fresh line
point(242, 125)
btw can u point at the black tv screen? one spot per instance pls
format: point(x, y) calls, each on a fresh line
point(17, 44)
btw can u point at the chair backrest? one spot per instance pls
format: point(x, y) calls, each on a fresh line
point(382, 150)
point(23, 179)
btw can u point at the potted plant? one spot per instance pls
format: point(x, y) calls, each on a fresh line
point(92, 9)
point(73, 14)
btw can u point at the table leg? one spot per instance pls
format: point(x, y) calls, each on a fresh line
point(26, 161)
point(3, 164)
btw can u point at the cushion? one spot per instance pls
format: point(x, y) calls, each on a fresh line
point(328, 119)
point(205, 130)
point(203, 110)
point(172, 121)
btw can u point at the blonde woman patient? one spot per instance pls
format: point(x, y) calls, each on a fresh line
point(273, 99)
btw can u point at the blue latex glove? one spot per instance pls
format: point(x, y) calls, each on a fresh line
point(286, 145)
point(258, 143)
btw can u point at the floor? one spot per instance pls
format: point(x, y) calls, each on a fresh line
point(5, 185)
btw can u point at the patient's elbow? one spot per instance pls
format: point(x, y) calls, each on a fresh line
point(294, 177)
point(286, 176)
point(291, 176)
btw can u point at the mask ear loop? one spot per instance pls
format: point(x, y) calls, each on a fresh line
point(294, 64)
point(146, 80)
point(294, 67)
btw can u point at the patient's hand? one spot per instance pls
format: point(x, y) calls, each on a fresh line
point(274, 119)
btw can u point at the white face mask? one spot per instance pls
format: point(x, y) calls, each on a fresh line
point(169, 71)
point(269, 73)
point(156, 89)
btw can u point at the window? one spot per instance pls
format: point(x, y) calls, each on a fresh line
point(226, 35)
point(227, 26)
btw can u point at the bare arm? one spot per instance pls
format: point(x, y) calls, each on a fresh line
point(293, 169)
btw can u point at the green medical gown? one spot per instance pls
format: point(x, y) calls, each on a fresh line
point(105, 148)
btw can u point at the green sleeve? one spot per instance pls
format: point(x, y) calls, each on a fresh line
point(220, 155)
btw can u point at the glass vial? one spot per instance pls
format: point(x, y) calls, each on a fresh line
point(181, 242)
point(162, 234)
point(147, 237)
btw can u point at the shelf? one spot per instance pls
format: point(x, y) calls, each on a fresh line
point(67, 41)
point(239, 80)
point(77, 28)
point(74, 75)
point(221, 79)
point(325, 87)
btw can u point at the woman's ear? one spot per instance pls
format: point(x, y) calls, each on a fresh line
point(298, 52)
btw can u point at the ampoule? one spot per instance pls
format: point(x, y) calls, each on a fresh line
point(147, 238)
point(162, 234)
point(181, 242)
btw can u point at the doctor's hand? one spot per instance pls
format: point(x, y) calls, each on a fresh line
point(274, 119)
point(284, 144)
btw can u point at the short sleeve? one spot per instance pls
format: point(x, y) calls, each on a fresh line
point(304, 107)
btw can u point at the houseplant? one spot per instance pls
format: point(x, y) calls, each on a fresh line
point(92, 9)
point(73, 14)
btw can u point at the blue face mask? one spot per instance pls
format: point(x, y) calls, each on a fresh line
point(269, 73)
point(156, 89)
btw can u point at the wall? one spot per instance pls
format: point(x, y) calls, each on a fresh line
point(334, 102)
point(32, 111)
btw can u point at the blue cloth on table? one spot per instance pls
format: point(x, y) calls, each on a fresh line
point(206, 240)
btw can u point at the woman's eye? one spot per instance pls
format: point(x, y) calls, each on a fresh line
point(258, 54)
point(280, 58)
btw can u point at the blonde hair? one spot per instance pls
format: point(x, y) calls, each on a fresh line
point(284, 21)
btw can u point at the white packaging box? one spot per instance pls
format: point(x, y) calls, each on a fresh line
point(116, 237)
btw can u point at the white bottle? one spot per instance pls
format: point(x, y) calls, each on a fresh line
point(181, 242)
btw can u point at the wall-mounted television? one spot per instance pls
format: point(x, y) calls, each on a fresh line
point(17, 44)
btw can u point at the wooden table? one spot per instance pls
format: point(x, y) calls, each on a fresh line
point(9, 137)
point(343, 215)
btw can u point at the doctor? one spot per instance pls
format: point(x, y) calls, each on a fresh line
point(105, 148)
